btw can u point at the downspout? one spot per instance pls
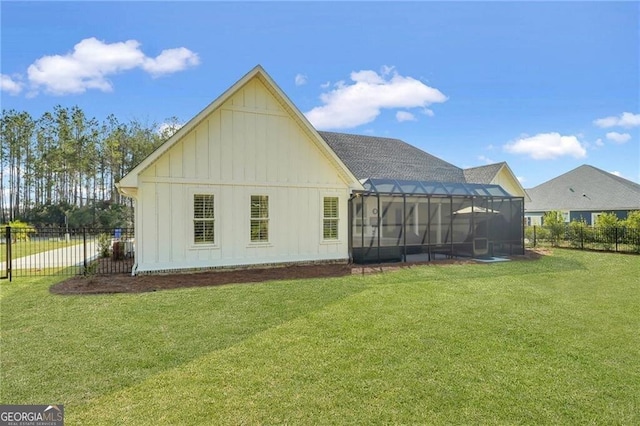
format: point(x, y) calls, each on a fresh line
point(350, 226)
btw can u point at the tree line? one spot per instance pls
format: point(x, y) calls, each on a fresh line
point(62, 167)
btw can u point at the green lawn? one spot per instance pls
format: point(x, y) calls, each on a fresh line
point(554, 341)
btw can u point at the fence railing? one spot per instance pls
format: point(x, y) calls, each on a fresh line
point(614, 238)
point(53, 251)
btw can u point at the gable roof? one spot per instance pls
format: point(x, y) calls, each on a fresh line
point(585, 188)
point(483, 174)
point(130, 181)
point(377, 157)
point(489, 174)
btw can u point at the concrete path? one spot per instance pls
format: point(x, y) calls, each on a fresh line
point(57, 258)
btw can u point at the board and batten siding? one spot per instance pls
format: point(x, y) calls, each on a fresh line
point(249, 146)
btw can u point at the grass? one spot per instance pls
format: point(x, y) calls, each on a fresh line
point(553, 341)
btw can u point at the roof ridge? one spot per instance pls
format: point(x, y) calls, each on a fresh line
point(619, 179)
point(499, 163)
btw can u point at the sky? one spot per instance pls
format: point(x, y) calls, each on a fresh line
point(544, 86)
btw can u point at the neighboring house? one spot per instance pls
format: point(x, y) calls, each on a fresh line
point(249, 181)
point(496, 174)
point(583, 193)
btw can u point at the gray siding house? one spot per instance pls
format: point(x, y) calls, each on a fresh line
point(583, 193)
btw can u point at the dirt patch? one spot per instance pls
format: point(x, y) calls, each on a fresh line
point(125, 283)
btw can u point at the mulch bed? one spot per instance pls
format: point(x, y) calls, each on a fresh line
point(125, 283)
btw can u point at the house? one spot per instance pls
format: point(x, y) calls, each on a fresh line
point(583, 193)
point(249, 181)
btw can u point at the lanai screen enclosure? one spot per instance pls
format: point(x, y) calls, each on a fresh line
point(402, 220)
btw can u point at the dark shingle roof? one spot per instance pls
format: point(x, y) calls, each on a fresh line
point(602, 191)
point(376, 157)
point(482, 174)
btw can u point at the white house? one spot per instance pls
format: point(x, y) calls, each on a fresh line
point(249, 181)
point(246, 181)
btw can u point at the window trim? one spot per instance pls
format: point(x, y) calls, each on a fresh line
point(266, 219)
point(190, 232)
point(340, 218)
point(326, 219)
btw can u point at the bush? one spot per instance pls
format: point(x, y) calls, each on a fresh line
point(555, 225)
point(632, 231)
point(20, 231)
point(578, 232)
point(104, 245)
point(606, 225)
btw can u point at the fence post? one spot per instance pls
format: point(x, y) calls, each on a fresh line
point(616, 235)
point(534, 236)
point(581, 237)
point(84, 248)
point(7, 236)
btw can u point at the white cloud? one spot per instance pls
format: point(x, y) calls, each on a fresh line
point(92, 61)
point(618, 138)
point(351, 105)
point(405, 116)
point(170, 61)
point(9, 85)
point(626, 119)
point(546, 146)
point(599, 142)
point(521, 179)
point(301, 79)
point(325, 85)
point(617, 173)
point(428, 112)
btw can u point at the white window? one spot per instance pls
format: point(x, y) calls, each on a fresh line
point(330, 215)
point(203, 219)
point(260, 218)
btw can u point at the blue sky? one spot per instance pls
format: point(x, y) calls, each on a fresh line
point(544, 86)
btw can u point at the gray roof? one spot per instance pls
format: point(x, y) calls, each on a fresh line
point(483, 174)
point(585, 188)
point(376, 157)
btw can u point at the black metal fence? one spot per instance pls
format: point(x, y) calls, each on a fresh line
point(28, 251)
point(579, 236)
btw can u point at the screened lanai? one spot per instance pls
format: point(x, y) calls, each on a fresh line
point(412, 221)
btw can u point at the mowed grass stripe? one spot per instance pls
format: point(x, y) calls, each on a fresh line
point(462, 344)
point(75, 348)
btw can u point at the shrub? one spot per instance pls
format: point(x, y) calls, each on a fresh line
point(632, 231)
point(20, 231)
point(606, 225)
point(578, 232)
point(555, 225)
point(104, 245)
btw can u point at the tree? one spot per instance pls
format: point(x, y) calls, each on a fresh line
point(67, 162)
